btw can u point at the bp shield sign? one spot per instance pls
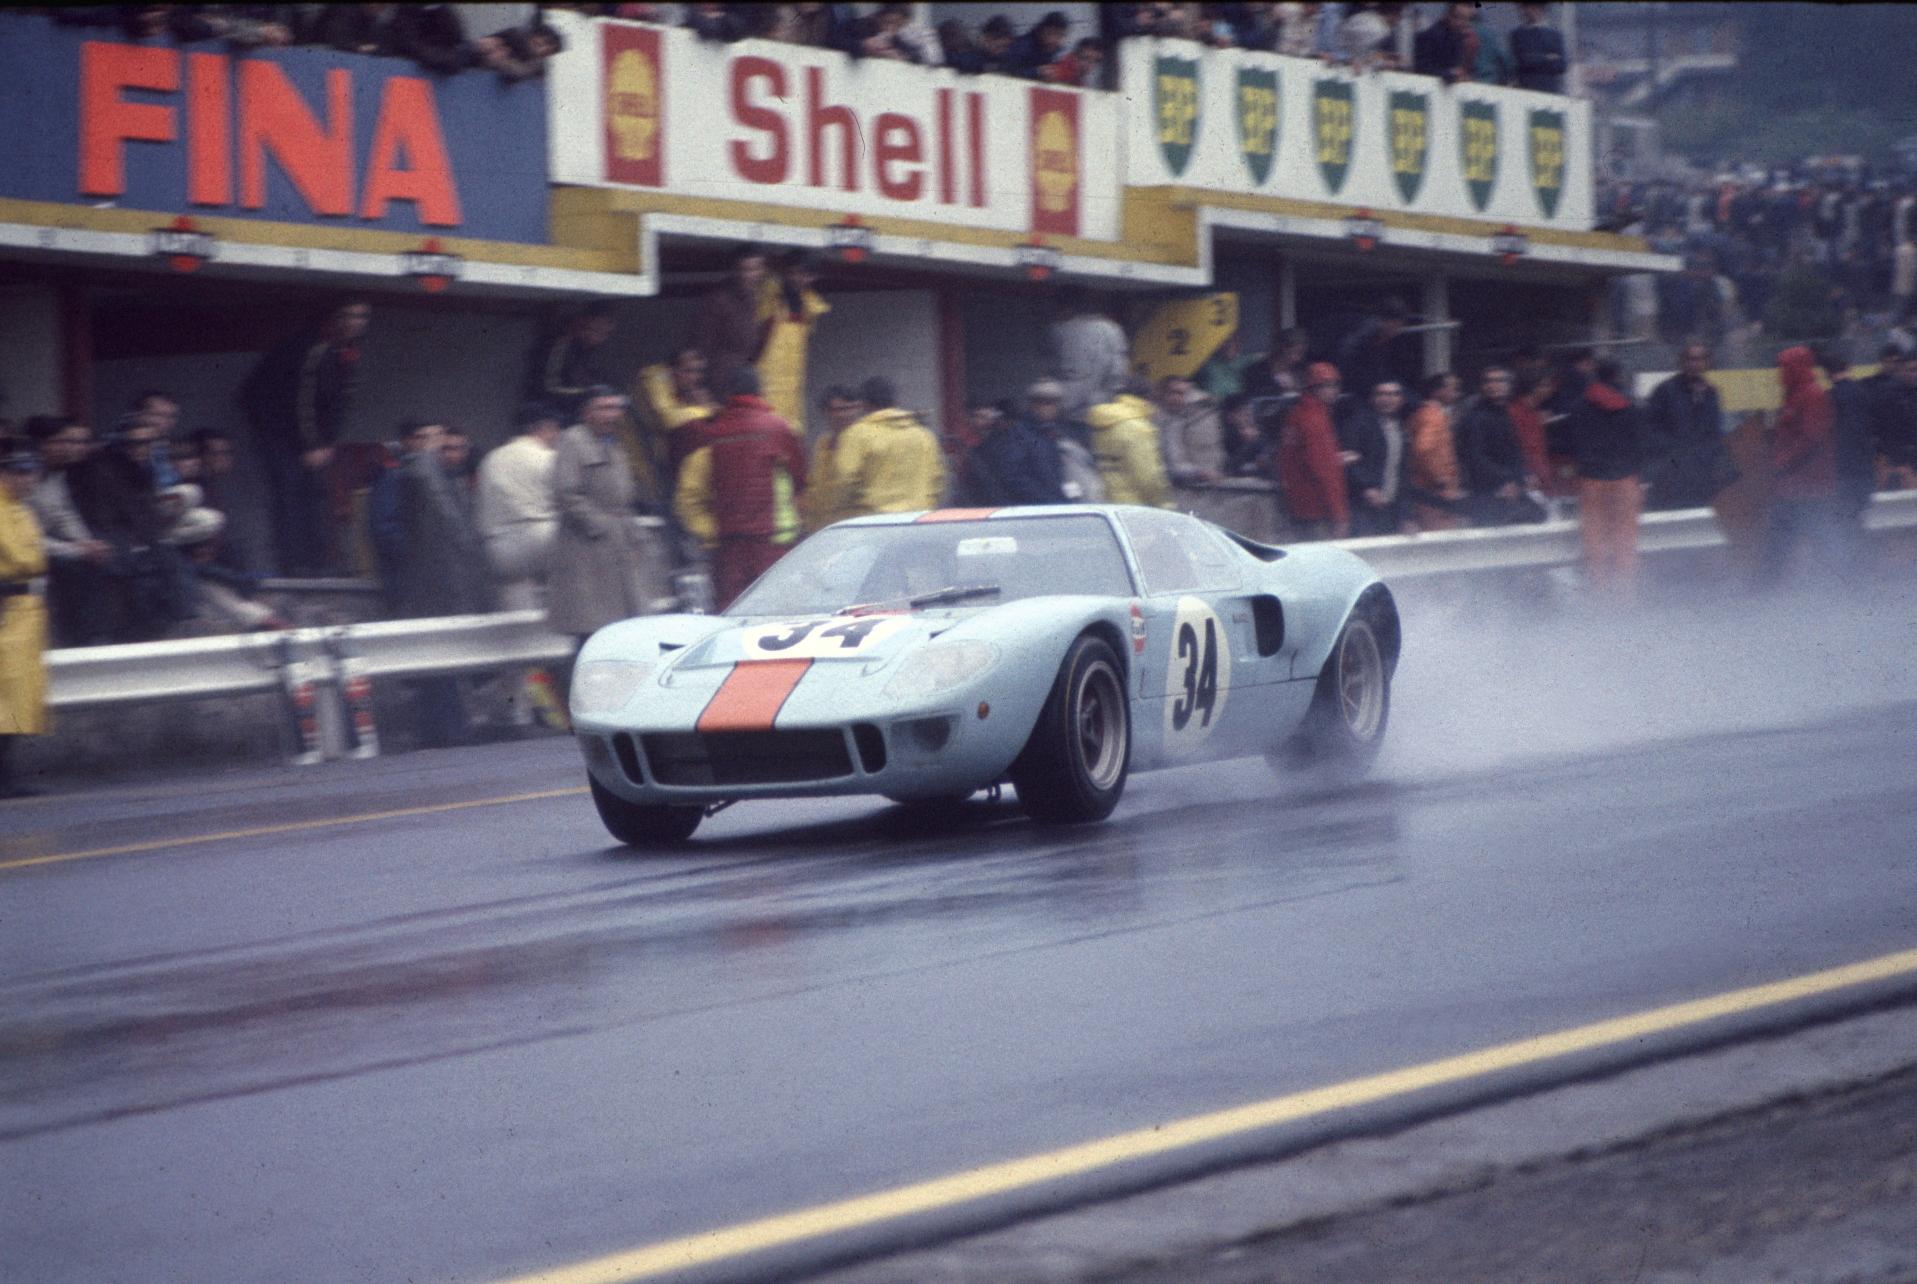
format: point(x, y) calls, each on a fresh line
point(1175, 98)
point(1333, 125)
point(1410, 139)
point(1257, 121)
point(1478, 149)
point(1547, 134)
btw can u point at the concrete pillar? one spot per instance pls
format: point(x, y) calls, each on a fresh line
point(1437, 307)
point(1598, 294)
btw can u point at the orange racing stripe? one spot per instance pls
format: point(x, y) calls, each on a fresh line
point(956, 515)
point(752, 695)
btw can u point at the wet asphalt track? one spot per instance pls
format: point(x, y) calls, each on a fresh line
point(468, 1043)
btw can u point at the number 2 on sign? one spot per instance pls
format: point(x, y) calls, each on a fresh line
point(1201, 675)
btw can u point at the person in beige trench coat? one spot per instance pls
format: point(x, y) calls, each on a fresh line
point(606, 565)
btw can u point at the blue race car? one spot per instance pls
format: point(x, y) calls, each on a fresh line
point(924, 656)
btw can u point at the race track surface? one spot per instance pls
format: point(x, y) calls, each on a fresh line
point(341, 1025)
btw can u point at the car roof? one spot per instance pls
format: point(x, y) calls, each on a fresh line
point(1261, 551)
point(990, 514)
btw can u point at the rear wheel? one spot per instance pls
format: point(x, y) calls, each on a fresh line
point(1073, 768)
point(1345, 726)
point(644, 825)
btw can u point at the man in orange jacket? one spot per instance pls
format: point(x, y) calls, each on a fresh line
point(1311, 472)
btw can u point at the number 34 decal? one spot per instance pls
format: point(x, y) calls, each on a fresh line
point(818, 639)
point(1200, 675)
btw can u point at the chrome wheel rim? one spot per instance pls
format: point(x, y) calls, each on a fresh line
point(1361, 681)
point(1099, 724)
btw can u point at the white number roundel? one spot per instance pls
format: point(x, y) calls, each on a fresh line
point(825, 639)
point(1199, 678)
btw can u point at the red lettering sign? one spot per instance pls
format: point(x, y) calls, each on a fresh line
point(407, 159)
point(273, 117)
point(821, 116)
point(409, 127)
point(107, 120)
point(209, 130)
point(898, 143)
point(1056, 162)
point(635, 107)
point(775, 164)
point(900, 156)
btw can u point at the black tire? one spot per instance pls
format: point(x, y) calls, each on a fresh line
point(644, 825)
point(1073, 769)
point(1350, 708)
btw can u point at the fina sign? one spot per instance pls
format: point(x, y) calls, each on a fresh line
point(294, 135)
point(647, 107)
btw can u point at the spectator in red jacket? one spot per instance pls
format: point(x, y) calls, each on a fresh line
point(1608, 437)
point(1803, 464)
point(1535, 390)
point(1311, 472)
point(738, 491)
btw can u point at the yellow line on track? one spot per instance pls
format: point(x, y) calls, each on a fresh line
point(290, 827)
point(1019, 1174)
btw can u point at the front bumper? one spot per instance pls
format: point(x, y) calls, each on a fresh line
point(917, 755)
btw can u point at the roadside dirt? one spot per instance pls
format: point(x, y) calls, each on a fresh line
point(1820, 1189)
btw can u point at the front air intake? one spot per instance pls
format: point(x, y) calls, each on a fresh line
point(871, 742)
point(747, 757)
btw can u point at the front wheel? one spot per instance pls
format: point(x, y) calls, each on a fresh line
point(1344, 728)
point(644, 825)
point(1073, 768)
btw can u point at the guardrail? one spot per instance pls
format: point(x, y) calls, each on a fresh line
point(324, 674)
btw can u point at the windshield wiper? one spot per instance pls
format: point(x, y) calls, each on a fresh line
point(937, 597)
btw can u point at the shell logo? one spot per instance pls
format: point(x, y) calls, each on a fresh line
point(1055, 163)
point(632, 106)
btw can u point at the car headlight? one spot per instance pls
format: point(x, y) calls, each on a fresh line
point(604, 686)
point(940, 668)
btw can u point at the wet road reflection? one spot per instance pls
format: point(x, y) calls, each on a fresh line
point(487, 1040)
point(854, 894)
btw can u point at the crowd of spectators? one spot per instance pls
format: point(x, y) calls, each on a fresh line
point(434, 36)
point(1458, 46)
point(1356, 443)
point(133, 526)
point(1804, 252)
point(607, 503)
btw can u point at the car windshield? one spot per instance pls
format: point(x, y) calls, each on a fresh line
point(960, 564)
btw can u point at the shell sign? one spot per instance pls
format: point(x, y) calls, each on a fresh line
point(635, 108)
point(759, 123)
point(1056, 162)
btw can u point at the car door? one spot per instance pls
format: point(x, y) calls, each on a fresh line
point(1200, 644)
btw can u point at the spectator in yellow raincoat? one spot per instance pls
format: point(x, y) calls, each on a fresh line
point(672, 396)
point(790, 307)
point(23, 615)
point(888, 461)
point(825, 501)
point(1125, 444)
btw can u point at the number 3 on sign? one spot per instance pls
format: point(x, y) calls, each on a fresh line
point(1200, 676)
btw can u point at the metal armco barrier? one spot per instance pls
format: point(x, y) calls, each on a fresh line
point(452, 644)
point(242, 664)
point(310, 666)
point(1548, 544)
